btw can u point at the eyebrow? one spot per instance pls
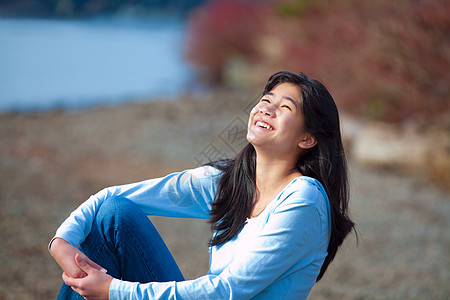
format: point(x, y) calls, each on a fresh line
point(284, 98)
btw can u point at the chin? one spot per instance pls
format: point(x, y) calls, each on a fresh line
point(254, 141)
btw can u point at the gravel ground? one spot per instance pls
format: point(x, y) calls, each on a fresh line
point(51, 162)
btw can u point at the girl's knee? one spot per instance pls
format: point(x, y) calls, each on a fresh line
point(118, 210)
point(114, 205)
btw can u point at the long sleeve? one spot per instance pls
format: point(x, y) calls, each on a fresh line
point(185, 194)
point(283, 250)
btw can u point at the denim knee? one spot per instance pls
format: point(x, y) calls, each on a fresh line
point(118, 211)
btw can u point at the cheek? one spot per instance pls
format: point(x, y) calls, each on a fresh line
point(254, 110)
point(296, 127)
point(252, 114)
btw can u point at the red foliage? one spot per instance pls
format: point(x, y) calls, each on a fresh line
point(221, 30)
point(386, 60)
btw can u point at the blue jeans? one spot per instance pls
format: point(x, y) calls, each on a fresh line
point(125, 242)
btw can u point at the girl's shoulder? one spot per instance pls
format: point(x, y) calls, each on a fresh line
point(304, 190)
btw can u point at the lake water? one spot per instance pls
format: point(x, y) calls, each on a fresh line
point(47, 64)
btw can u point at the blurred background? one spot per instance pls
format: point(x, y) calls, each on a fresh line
point(99, 93)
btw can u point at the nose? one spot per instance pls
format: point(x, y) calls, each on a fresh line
point(266, 110)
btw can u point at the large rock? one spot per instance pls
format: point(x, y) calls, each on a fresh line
point(410, 149)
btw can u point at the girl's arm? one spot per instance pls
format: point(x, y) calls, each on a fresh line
point(186, 194)
point(182, 194)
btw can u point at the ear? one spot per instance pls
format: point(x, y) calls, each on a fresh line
point(307, 142)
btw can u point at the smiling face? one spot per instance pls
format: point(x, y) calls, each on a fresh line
point(277, 122)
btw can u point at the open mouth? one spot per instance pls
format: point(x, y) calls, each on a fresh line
point(263, 125)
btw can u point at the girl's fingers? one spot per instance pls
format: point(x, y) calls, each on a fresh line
point(72, 282)
point(95, 265)
point(92, 263)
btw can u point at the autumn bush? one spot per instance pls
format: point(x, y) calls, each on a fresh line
point(383, 60)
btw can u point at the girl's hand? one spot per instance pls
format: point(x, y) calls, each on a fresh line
point(64, 254)
point(94, 286)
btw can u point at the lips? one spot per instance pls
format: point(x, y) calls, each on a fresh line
point(262, 124)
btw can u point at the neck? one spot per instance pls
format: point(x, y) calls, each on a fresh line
point(273, 173)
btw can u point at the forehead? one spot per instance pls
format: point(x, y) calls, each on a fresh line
point(287, 91)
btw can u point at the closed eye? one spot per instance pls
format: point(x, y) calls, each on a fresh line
point(286, 106)
point(265, 100)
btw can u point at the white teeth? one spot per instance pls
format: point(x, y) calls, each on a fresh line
point(264, 125)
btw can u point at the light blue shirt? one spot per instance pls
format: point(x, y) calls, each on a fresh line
point(276, 255)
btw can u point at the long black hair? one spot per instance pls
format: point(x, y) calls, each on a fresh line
point(326, 162)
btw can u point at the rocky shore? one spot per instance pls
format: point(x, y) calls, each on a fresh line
point(51, 162)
